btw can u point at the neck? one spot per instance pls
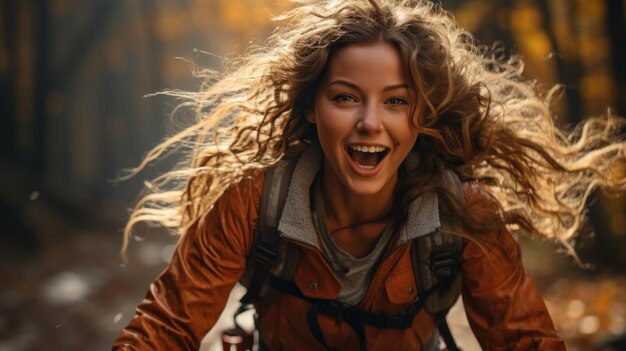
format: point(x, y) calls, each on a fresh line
point(345, 209)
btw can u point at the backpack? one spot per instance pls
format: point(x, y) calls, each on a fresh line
point(272, 262)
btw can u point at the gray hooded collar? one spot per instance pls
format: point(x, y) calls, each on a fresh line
point(296, 222)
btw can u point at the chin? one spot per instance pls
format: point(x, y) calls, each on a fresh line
point(365, 187)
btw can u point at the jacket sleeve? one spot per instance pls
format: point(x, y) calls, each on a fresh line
point(186, 300)
point(504, 307)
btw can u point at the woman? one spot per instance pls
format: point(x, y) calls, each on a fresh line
point(387, 99)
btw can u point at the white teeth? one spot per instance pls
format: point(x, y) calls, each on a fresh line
point(364, 148)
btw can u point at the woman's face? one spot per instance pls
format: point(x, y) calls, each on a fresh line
point(362, 114)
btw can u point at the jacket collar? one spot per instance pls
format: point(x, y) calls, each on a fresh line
point(296, 222)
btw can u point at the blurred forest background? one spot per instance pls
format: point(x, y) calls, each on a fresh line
point(73, 76)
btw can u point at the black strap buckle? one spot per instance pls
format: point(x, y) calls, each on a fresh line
point(265, 255)
point(444, 264)
point(399, 321)
point(331, 308)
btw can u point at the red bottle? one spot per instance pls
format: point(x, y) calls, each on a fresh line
point(237, 339)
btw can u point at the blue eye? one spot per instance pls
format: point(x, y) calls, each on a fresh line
point(397, 101)
point(343, 98)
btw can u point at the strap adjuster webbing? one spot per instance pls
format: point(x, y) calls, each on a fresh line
point(354, 316)
point(342, 311)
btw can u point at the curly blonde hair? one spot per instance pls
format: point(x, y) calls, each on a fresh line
point(475, 113)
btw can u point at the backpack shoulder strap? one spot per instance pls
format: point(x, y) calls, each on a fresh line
point(265, 246)
point(435, 259)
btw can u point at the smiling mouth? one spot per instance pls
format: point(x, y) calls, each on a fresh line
point(367, 156)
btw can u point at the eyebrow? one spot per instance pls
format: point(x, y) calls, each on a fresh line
point(356, 87)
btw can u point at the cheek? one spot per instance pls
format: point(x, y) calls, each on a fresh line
point(406, 143)
point(332, 123)
point(329, 137)
point(413, 136)
point(404, 132)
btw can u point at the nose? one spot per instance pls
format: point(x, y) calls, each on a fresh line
point(370, 120)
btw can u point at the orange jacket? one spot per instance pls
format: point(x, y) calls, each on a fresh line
point(504, 307)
